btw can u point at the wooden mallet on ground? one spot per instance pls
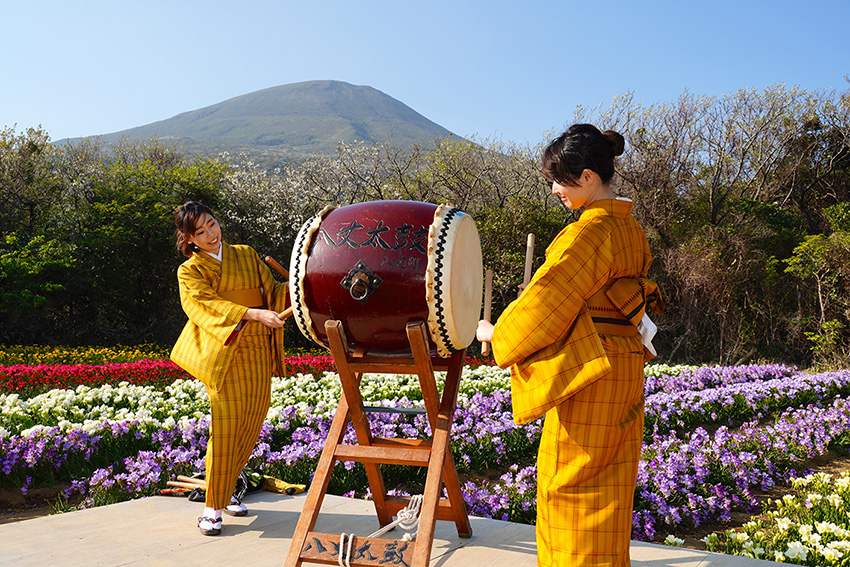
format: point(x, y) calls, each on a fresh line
point(188, 482)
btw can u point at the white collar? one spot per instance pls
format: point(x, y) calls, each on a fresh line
point(217, 256)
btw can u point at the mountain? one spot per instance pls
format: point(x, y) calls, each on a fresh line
point(292, 121)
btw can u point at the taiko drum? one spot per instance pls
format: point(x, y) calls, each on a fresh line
point(379, 265)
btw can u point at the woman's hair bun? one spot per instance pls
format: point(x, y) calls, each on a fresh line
point(616, 141)
point(580, 147)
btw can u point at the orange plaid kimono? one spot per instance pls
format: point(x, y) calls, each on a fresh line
point(234, 359)
point(588, 383)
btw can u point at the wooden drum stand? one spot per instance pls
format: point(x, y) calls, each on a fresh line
point(314, 547)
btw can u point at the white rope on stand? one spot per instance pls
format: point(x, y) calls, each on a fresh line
point(408, 518)
point(347, 562)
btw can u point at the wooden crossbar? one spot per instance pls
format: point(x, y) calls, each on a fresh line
point(365, 551)
point(315, 547)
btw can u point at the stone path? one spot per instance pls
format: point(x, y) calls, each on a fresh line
point(162, 532)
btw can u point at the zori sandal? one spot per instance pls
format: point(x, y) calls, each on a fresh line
point(235, 508)
point(209, 526)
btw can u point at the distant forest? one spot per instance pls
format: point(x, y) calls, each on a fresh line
point(745, 199)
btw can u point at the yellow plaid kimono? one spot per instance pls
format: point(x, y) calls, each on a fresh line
point(587, 383)
point(234, 359)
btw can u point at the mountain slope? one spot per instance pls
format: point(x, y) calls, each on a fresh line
point(295, 119)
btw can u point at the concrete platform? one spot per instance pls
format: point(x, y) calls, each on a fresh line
point(162, 532)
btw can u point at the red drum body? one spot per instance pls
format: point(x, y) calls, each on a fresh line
point(377, 266)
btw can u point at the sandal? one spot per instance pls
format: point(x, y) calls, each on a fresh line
point(209, 526)
point(235, 508)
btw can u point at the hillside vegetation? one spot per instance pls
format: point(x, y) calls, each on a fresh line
point(744, 199)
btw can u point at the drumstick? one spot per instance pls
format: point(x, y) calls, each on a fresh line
point(529, 257)
point(488, 300)
point(287, 313)
point(199, 481)
point(190, 485)
point(277, 267)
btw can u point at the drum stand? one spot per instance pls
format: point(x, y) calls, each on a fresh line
point(435, 454)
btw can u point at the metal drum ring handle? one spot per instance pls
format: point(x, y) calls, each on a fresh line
point(360, 286)
point(361, 282)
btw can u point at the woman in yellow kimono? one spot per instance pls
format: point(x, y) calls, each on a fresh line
point(576, 355)
point(233, 342)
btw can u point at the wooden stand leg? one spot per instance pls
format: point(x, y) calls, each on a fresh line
point(442, 465)
point(321, 478)
point(351, 391)
point(311, 546)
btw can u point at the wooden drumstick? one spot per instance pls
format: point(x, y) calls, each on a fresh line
point(198, 481)
point(529, 257)
point(287, 313)
point(277, 267)
point(488, 301)
point(189, 485)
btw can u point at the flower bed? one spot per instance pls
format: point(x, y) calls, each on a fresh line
point(678, 378)
point(28, 380)
point(740, 401)
point(11, 355)
point(95, 367)
point(808, 526)
point(115, 442)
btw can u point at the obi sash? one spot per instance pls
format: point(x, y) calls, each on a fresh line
point(252, 297)
point(619, 308)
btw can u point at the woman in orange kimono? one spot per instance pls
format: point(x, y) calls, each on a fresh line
point(577, 356)
point(233, 342)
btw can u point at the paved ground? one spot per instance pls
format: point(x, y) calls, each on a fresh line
point(162, 532)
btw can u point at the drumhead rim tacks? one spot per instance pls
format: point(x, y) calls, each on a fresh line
point(439, 279)
point(298, 271)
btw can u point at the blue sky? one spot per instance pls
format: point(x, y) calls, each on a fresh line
point(514, 71)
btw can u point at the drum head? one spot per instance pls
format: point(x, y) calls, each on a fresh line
point(455, 270)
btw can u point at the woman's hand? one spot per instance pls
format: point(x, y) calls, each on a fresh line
point(484, 333)
point(267, 317)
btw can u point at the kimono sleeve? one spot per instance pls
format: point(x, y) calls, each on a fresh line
point(577, 265)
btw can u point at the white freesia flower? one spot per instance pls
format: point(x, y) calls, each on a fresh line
point(797, 550)
point(674, 541)
point(843, 482)
point(33, 431)
point(826, 527)
point(835, 500)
